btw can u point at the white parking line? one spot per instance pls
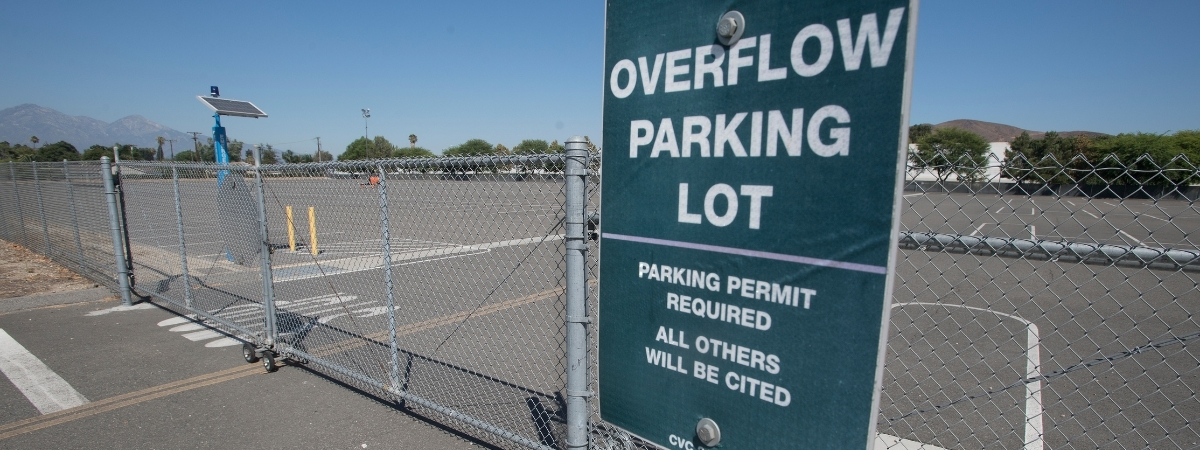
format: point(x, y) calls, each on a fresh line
point(1033, 361)
point(980, 227)
point(45, 389)
point(1090, 214)
point(1130, 236)
point(889, 442)
point(1155, 218)
point(301, 271)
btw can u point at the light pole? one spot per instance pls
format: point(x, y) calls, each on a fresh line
point(366, 115)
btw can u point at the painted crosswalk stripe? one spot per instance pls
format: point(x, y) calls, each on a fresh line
point(202, 335)
point(45, 389)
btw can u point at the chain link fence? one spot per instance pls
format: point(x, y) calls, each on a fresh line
point(58, 210)
point(1038, 304)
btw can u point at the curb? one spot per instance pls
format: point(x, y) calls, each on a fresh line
point(58, 298)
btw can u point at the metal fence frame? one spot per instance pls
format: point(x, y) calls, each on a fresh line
point(56, 209)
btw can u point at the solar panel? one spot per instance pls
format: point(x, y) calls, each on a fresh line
point(227, 107)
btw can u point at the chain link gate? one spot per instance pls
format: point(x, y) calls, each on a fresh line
point(1039, 304)
point(439, 284)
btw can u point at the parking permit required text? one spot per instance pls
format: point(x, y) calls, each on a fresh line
point(705, 353)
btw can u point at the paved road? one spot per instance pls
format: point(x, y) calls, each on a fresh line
point(148, 387)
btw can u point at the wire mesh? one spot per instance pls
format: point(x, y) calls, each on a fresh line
point(1038, 304)
point(475, 261)
point(1046, 304)
point(57, 210)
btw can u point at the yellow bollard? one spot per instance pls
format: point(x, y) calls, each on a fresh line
point(312, 229)
point(291, 229)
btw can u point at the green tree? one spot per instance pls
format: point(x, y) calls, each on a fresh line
point(235, 150)
point(269, 155)
point(96, 151)
point(185, 156)
point(470, 148)
point(161, 140)
point(291, 157)
point(1018, 158)
point(531, 147)
point(919, 131)
point(954, 151)
point(361, 148)
point(412, 141)
point(1151, 159)
point(413, 152)
point(16, 153)
point(57, 151)
point(19, 152)
point(34, 140)
point(127, 152)
point(208, 152)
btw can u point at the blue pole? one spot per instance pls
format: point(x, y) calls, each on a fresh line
point(219, 146)
point(222, 157)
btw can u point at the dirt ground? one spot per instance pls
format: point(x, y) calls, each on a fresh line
point(24, 273)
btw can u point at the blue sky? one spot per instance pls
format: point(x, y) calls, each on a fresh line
point(503, 72)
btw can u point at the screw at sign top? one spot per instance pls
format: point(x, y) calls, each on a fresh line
point(730, 27)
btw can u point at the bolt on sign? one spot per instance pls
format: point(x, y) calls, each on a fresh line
point(752, 171)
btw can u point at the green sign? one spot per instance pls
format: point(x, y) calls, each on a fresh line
point(751, 189)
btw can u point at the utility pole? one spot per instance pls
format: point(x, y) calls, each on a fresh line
point(172, 141)
point(195, 145)
point(318, 149)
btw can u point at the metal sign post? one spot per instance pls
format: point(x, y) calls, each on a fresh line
point(751, 195)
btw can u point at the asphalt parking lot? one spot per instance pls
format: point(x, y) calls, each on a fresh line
point(147, 386)
point(984, 350)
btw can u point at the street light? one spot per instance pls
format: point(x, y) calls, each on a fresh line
point(366, 115)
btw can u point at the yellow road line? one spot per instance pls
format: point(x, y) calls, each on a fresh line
point(123, 400)
point(136, 397)
point(350, 344)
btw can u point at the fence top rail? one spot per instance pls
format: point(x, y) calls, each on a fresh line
point(454, 163)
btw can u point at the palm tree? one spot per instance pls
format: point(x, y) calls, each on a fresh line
point(159, 155)
point(412, 140)
point(34, 140)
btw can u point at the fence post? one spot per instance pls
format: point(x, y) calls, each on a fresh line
point(187, 280)
point(37, 190)
point(74, 213)
point(387, 278)
point(110, 194)
point(264, 251)
point(576, 243)
point(17, 195)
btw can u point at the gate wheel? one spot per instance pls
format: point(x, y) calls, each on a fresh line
point(248, 353)
point(268, 362)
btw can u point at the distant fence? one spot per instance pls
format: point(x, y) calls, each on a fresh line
point(1045, 313)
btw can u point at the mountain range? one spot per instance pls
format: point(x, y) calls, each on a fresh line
point(19, 123)
point(998, 132)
